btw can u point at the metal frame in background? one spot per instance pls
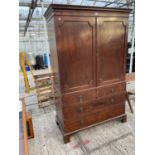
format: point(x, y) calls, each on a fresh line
point(29, 17)
point(106, 3)
point(34, 4)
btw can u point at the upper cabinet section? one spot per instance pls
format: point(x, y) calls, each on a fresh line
point(90, 45)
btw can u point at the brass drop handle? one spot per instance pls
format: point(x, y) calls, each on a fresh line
point(81, 109)
point(112, 100)
point(81, 122)
point(81, 98)
point(112, 89)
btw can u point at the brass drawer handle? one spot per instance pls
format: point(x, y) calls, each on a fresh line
point(81, 122)
point(81, 109)
point(112, 100)
point(112, 89)
point(81, 98)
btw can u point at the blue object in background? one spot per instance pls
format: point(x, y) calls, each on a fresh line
point(46, 59)
point(50, 61)
point(27, 68)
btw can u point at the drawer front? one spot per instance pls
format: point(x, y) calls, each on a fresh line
point(91, 119)
point(112, 111)
point(115, 99)
point(70, 126)
point(109, 111)
point(79, 97)
point(111, 90)
point(72, 112)
point(76, 111)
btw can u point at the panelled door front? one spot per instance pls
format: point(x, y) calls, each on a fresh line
point(111, 47)
point(76, 38)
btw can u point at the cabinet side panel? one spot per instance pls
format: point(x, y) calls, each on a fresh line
point(55, 67)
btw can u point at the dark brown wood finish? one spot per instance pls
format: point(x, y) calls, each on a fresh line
point(88, 48)
point(76, 73)
point(111, 44)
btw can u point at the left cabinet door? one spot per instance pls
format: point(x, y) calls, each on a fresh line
point(76, 52)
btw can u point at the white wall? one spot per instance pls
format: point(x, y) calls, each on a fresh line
point(38, 44)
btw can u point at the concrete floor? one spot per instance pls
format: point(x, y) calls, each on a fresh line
point(111, 138)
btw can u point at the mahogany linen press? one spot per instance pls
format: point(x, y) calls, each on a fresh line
point(88, 48)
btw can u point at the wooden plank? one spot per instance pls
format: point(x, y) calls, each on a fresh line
point(42, 72)
point(46, 97)
point(24, 127)
point(43, 78)
point(46, 92)
point(41, 89)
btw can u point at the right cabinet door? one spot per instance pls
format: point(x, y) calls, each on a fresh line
point(111, 49)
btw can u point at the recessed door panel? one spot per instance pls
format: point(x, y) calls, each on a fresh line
point(76, 52)
point(111, 43)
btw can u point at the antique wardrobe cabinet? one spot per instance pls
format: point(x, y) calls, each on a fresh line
point(88, 49)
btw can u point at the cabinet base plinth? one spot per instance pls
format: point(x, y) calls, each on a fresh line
point(124, 119)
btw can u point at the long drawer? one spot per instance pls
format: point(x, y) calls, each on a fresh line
point(78, 110)
point(110, 112)
point(76, 124)
point(94, 117)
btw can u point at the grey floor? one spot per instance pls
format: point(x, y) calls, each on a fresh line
point(112, 138)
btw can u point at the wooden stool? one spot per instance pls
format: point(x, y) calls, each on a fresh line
point(129, 77)
point(45, 88)
point(128, 100)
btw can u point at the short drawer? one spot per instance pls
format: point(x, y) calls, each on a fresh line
point(113, 99)
point(111, 89)
point(77, 110)
point(110, 100)
point(70, 126)
point(79, 97)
